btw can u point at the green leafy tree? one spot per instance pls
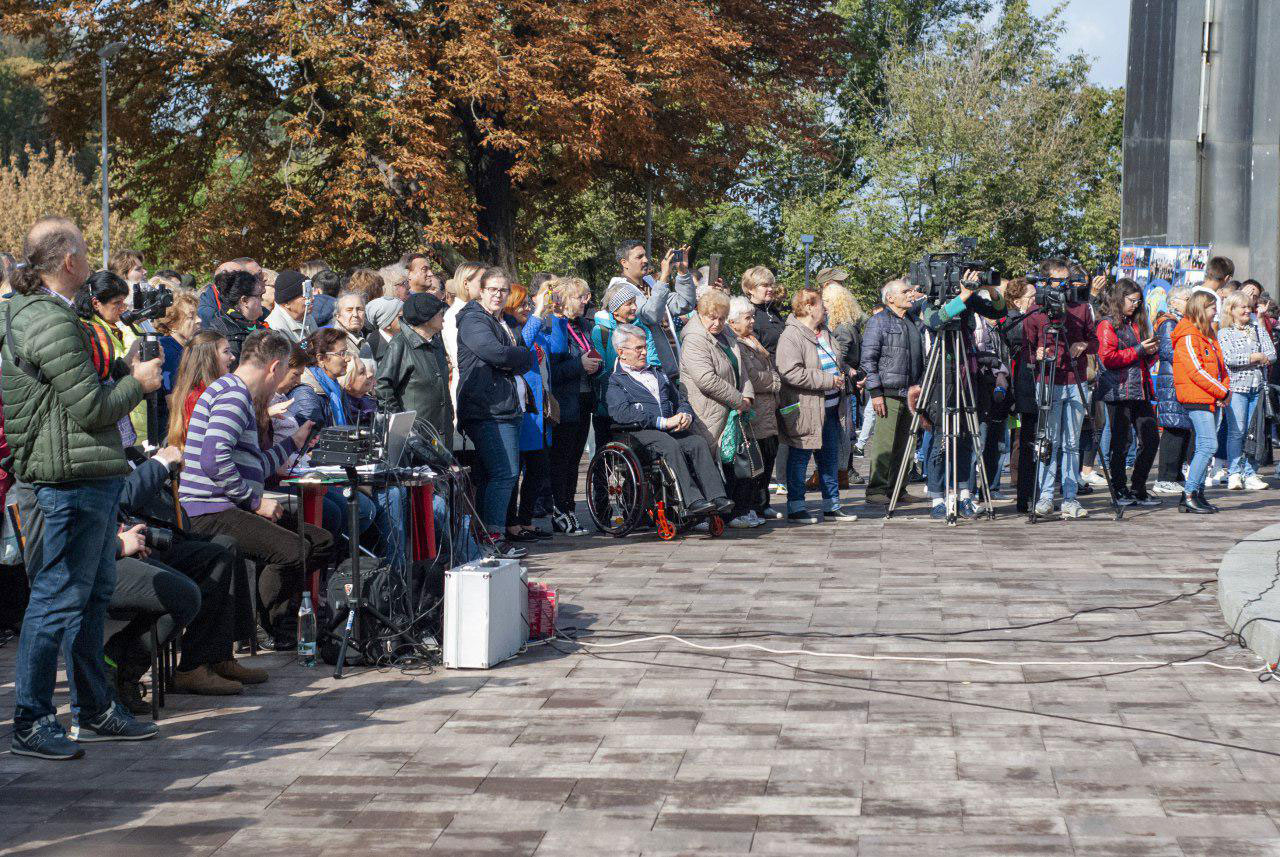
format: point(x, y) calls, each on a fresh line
point(986, 133)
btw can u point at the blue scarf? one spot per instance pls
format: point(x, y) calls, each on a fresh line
point(333, 392)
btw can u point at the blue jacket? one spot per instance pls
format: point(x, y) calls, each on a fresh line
point(566, 372)
point(893, 353)
point(1169, 411)
point(533, 428)
point(208, 307)
point(322, 308)
point(309, 405)
point(631, 405)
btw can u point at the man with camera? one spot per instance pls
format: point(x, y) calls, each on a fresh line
point(61, 411)
point(1058, 335)
point(972, 300)
point(659, 304)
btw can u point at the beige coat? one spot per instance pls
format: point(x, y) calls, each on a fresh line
point(764, 379)
point(708, 379)
point(804, 383)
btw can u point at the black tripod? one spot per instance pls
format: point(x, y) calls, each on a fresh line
point(1046, 377)
point(947, 370)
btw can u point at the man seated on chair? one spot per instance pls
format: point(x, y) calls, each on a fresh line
point(648, 404)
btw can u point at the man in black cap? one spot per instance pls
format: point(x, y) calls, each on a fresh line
point(292, 315)
point(413, 374)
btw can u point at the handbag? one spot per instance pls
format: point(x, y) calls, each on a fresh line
point(748, 463)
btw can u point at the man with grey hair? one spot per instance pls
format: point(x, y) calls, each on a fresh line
point(893, 360)
point(395, 281)
point(642, 400)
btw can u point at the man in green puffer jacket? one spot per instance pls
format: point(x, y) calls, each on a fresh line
point(60, 418)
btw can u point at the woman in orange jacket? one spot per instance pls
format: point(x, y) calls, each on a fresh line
point(1200, 383)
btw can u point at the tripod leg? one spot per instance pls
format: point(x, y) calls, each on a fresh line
point(969, 409)
point(930, 372)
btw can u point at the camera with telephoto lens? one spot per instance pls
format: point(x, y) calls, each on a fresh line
point(153, 305)
point(1053, 295)
point(940, 276)
point(154, 537)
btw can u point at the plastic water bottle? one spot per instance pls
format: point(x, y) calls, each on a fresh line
point(307, 632)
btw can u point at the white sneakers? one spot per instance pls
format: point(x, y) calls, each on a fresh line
point(1235, 482)
point(1255, 483)
point(1168, 488)
point(1094, 478)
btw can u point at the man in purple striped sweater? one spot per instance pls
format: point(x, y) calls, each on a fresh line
point(225, 468)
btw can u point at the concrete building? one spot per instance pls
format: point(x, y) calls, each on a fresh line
point(1201, 132)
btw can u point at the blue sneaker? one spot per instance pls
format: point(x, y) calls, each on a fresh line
point(938, 512)
point(114, 724)
point(967, 510)
point(44, 739)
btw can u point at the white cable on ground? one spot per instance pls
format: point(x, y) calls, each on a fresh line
point(812, 654)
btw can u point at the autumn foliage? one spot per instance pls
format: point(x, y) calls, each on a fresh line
point(290, 129)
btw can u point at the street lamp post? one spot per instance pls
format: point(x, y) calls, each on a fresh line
point(105, 53)
point(807, 241)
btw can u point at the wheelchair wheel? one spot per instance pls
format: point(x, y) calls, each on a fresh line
point(617, 494)
point(715, 526)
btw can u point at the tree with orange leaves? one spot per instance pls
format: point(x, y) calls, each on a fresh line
point(288, 129)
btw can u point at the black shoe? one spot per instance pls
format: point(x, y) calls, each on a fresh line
point(858, 451)
point(128, 691)
point(700, 507)
point(856, 478)
point(1084, 488)
point(1191, 503)
point(1145, 499)
point(723, 505)
point(540, 535)
point(522, 536)
point(1203, 501)
point(1124, 498)
point(505, 550)
point(840, 515)
point(803, 518)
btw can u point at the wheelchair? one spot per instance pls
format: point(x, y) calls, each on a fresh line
point(628, 487)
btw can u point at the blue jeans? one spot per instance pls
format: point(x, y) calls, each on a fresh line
point(497, 445)
point(70, 591)
point(1240, 409)
point(827, 460)
point(935, 471)
point(1066, 415)
point(333, 511)
point(1206, 444)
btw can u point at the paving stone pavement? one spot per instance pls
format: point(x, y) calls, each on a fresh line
point(658, 749)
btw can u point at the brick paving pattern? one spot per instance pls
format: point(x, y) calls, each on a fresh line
point(659, 750)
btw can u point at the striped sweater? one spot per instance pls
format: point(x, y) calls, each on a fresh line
point(223, 465)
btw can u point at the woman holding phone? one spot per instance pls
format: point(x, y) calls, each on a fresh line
point(1127, 350)
point(573, 363)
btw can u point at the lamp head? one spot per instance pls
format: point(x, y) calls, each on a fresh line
point(110, 49)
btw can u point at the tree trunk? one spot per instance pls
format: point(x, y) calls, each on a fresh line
point(489, 173)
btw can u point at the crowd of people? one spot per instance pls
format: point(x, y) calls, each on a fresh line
point(513, 381)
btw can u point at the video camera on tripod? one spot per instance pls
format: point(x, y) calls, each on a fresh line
point(1053, 294)
point(940, 276)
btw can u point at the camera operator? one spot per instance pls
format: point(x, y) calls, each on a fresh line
point(208, 666)
point(60, 419)
point(1069, 350)
point(1021, 300)
point(972, 301)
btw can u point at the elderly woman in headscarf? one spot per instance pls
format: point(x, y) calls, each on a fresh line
point(384, 315)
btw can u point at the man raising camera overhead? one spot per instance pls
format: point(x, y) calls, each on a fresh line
point(1061, 334)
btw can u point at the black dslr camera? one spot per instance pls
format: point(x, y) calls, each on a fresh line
point(940, 275)
point(151, 305)
point(154, 537)
point(1053, 295)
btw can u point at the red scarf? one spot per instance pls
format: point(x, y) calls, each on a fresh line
point(190, 404)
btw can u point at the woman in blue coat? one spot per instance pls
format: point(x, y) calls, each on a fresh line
point(530, 324)
point(1176, 436)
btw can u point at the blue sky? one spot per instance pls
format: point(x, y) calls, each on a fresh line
point(1100, 28)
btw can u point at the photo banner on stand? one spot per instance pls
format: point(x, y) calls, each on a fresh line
point(1156, 268)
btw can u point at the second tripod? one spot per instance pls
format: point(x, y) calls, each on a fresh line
point(947, 374)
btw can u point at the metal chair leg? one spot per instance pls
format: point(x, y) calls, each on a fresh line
point(157, 678)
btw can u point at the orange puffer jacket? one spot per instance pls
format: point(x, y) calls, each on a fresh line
point(1199, 370)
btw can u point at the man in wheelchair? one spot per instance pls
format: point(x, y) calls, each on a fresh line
point(646, 403)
